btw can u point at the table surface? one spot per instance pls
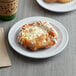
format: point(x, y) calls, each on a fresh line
point(63, 64)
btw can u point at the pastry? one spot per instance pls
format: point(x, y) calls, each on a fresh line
point(37, 35)
point(60, 1)
point(64, 1)
point(49, 1)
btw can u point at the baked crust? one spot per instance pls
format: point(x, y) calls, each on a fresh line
point(50, 1)
point(60, 1)
point(64, 1)
point(37, 35)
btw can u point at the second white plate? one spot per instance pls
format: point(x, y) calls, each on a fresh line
point(58, 7)
point(61, 44)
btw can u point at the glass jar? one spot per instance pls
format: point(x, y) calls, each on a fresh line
point(8, 9)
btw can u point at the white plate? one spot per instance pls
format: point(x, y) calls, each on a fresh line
point(61, 44)
point(58, 7)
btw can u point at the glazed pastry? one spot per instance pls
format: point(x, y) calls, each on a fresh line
point(60, 1)
point(50, 1)
point(37, 35)
point(64, 1)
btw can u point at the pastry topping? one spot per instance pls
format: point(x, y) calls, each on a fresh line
point(37, 35)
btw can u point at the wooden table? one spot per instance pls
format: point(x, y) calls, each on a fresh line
point(63, 64)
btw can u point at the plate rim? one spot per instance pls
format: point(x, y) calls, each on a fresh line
point(38, 57)
point(56, 10)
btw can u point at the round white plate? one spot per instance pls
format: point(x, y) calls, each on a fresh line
point(58, 7)
point(45, 53)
